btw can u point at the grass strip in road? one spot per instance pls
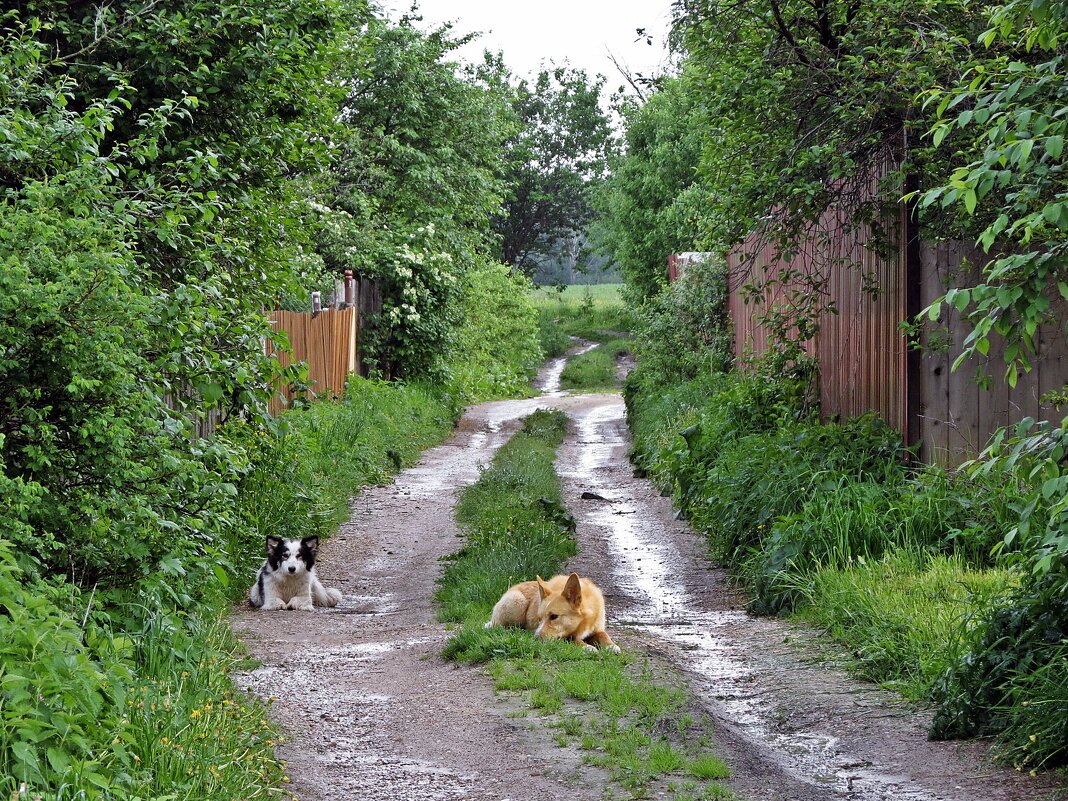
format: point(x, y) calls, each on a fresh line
point(595, 370)
point(514, 521)
point(627, 719)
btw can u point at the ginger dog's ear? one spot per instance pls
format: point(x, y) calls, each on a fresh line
point(573, 590)
point(543, 588)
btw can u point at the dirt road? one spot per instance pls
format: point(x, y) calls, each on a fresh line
point(373, 713)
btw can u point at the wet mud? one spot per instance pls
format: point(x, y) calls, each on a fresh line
point(369, 709)
point(372, 712)
point(789, 720)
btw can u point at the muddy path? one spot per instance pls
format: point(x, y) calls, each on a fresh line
point(371, 711)
point(791, 724)
point(368, 708)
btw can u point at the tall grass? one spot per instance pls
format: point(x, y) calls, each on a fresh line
point(902, 616)
point(599, 317)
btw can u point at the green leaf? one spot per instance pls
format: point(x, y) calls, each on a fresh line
point(1055, 487)
point(970, 200)
point(220, 574)
point(26, 756)
point(58, 760)
point(1055, 146)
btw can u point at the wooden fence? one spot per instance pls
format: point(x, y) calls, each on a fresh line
point(864, 360)
point(956, 416)
point(326, 341)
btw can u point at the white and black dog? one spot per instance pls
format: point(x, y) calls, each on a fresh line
point(287, 579)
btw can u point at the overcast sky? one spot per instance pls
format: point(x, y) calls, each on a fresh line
point(581, 32)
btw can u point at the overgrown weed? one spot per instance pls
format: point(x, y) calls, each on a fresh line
point(943, 584)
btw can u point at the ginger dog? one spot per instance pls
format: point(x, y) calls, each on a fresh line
point(562, 608)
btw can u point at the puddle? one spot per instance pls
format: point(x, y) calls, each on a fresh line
point(395, 778)
point(549, 383)
point(367, 605)
point(715, 646)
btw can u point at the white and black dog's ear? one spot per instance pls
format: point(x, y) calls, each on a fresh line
point(311, 543)
point(273, 544)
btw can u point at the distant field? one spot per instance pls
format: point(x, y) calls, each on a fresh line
point(602, 294)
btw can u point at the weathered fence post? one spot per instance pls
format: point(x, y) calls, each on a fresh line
point(316, 304)
point(350, 290)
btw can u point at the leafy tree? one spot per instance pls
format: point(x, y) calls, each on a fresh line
point(649, 202)
point(220, 102)
point(558, 154)
point(803, 102)
point(1006, 118)
point(414, 186)
point(801, 107)
point(496, 350)
point(143, 188)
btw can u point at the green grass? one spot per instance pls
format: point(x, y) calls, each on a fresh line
point(628, 720)
point(145, 713)
point(189, 733)
point(708, 766)
point(597, 315)
point(902, 616)
point(601, 294)
point(595, 370)
point(514, 521)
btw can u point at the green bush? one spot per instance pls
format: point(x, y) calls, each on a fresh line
point(753, 480)
point(686, 329)
point(850, 520)
point(552, 338)
point(496, 348)
point(1011, 679)
point(55, 711)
